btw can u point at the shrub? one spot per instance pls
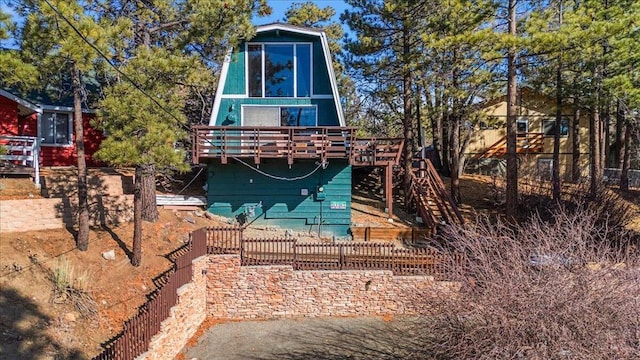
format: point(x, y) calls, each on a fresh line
point(539, 290)
point(69, 286)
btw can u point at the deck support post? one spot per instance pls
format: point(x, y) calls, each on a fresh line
point(388, 188)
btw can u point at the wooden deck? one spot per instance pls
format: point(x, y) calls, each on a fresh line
point(293, 143)
point(525, 144)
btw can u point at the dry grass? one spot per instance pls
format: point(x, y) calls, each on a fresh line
point(539, 290)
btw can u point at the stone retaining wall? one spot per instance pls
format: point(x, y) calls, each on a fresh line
point(58, 213)
point(185, 319)
point(265, 292)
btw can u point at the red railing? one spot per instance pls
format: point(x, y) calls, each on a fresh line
point(323, 143)
point(138, 331)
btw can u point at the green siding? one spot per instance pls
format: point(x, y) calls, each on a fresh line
point(231, 109)
point(235, 189)
point(235, 84)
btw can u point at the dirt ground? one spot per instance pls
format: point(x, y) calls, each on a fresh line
point(34, 326)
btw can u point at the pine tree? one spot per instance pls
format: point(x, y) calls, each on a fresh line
point(13, 71)
point(55, 37)
point(173, 48)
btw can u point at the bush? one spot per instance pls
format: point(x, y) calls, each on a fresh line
point(69, 286)
point(539, 290)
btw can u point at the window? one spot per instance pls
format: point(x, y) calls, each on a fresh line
point(280, 116)
point(279, 70)
point(549, 127)
point(522, 126)
point(545, 168)
point(56, 128)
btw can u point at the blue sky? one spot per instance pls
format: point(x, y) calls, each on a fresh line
point(280, 7)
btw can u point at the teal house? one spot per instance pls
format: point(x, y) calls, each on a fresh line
point(277, 148)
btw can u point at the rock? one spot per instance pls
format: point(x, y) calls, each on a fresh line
point(70, 317)
point(104, 302)
point(109, 255)
point(209, 215)
point(190, 220)
point(198, 213)
point(144, 288)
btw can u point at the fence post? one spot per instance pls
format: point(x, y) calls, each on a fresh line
point(341, 252)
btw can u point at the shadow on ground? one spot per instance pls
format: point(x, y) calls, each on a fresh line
point(324, 339)
point(23, 331)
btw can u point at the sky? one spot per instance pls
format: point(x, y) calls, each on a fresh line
point(280, 7)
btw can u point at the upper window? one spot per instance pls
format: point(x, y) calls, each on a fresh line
point(279, 70)
point(549, 127)
point(56, 128)
point(522, 126)
point(280, 116)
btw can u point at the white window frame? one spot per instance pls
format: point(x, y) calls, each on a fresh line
point(526, 122)
point(243, 107)
point(295, 69)
point(70, 129)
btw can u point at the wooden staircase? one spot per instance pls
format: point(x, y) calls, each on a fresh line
point(432, 201)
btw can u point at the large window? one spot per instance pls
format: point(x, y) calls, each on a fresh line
point(56, 128)
point(280, 116)
point(549, 127)
point(279, 70)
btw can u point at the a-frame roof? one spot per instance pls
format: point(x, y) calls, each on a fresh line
point(296, 30)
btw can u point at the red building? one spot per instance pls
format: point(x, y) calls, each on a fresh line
point(49, 127)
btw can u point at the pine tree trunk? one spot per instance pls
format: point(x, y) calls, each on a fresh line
point(82, 241)
point(148, 193)
point(618, 156)
point(406, 121)
point(455, 161)
point(446, 147)
point(555, 178)
point(136, 259)
point(594, 149)
point(575, 145)
point(512, 159)
point(626, 159)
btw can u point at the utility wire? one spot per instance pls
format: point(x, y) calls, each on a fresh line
point(139, 88)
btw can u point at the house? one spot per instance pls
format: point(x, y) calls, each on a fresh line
point(277, 149)
point(535, 133)
point(46, 128)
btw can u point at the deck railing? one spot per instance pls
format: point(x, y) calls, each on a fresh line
point(22, 151)
point(291, 143)
point(527, 143)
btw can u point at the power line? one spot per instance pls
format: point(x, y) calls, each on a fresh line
point(139, 88)
point(125, 76)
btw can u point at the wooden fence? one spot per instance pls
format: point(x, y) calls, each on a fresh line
point(138, 331)
point(335, 256)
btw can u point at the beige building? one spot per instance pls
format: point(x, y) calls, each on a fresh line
point(536, 125)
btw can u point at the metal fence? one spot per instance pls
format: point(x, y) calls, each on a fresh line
point(330, 256)
point(138, 331)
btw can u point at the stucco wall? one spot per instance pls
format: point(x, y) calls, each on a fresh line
point(267, 292)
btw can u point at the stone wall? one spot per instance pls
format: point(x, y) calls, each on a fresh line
point(185, 319)
point(58, 213)
point(266, 292)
